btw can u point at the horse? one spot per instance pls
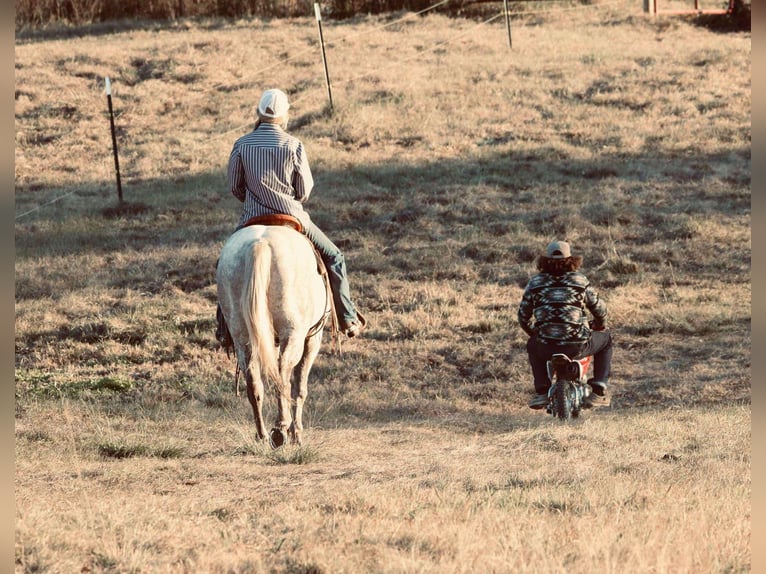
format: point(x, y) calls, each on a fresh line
point(275, 301)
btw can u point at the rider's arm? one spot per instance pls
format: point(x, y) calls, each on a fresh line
point(236, 173)
point(597, 307)
point(526, 309)
point(303, 181)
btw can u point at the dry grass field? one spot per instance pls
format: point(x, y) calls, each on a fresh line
point(447, 163)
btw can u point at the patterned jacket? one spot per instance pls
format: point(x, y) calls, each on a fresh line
point(558, 303)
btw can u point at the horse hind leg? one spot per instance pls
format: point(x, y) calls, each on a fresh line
point(255, 395)
point(289, 356)
point(300, 385)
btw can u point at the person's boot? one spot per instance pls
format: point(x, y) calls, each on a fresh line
point(357, 326)
point(598, 387)
point(539, 402)
point(597, 396)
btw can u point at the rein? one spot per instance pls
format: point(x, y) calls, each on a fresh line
point(329, 307)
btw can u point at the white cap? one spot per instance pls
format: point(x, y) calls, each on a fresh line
point(558, 250)
point(273, 104)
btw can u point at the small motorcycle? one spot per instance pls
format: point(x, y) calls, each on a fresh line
point(569, 390)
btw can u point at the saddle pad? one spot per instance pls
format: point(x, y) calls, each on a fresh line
point(275, 219)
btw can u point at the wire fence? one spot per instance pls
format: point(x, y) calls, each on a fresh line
point(394, 63)
point(433, 48)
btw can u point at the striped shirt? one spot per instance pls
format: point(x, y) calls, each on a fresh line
point(269, 172)
point(558, 303)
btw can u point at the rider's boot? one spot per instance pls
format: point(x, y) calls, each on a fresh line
point(597, 396)
point(357, 326)
point(598, 387)
point(539, 401)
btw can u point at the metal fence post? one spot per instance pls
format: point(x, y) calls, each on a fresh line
point(318, 15)
point(114, 137)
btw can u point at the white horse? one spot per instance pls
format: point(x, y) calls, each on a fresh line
point(275, 303)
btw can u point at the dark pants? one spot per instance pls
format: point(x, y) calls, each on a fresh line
point(599, 345)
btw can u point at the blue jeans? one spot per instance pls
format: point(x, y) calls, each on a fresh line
point(336, 270)
point(599, 345)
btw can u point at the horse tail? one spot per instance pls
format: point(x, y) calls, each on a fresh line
point(255, 309)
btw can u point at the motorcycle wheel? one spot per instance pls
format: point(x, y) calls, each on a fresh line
point(562, 400)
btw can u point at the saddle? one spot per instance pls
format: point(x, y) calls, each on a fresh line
point(275, 219)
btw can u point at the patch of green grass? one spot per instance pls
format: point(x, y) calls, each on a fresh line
point(125, 209)
point(31, 559)
point(35, 436)
point(303, 454)
point(558, 506)
point(168, 451)
point(623, 266)
point(286, 454)
point(42, 385)
point(124, 449)
point(104, 562)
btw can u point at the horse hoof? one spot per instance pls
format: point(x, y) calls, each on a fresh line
point(276, 437)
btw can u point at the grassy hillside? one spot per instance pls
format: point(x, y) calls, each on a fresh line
point(445, 166)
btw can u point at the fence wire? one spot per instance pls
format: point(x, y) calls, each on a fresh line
point(439, 45)
point(348, 37)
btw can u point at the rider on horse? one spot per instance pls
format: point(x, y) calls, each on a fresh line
point(269, 173)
